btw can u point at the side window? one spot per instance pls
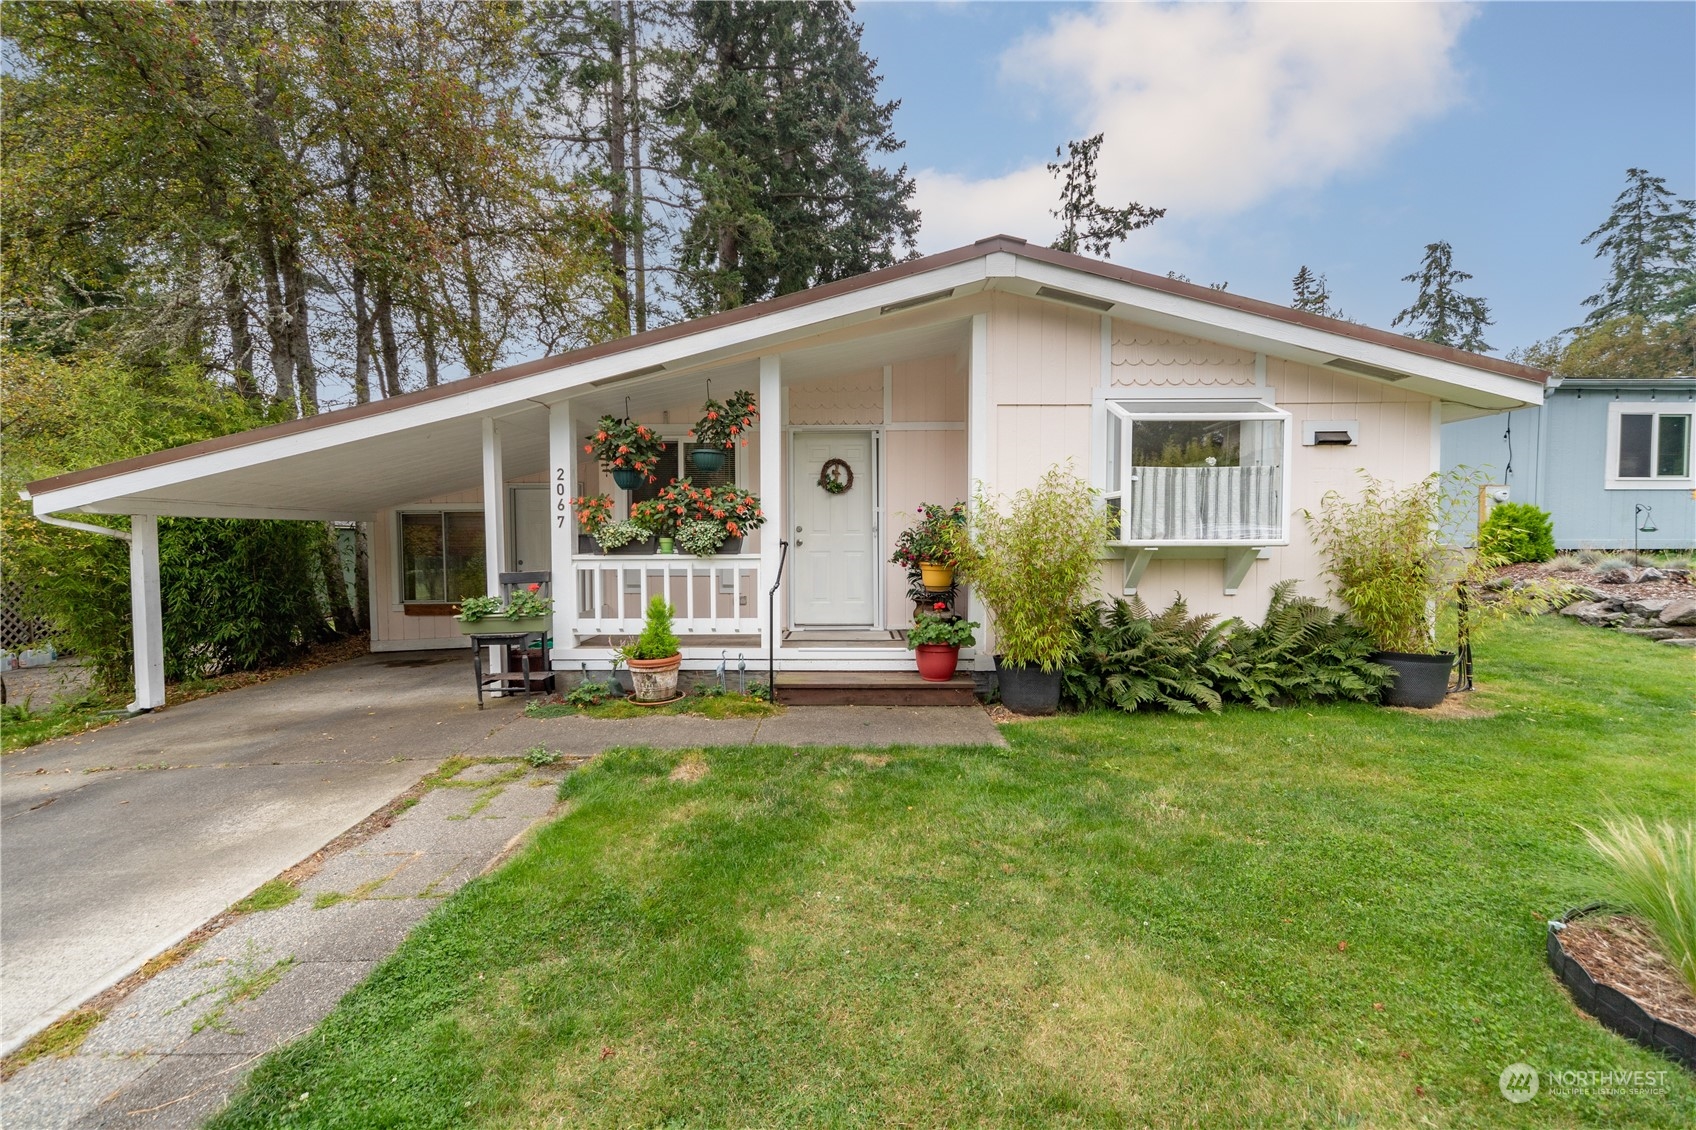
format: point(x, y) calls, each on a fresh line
point(441, 555)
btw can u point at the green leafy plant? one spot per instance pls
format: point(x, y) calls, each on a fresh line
point(593, 511)
point(617, 535)
point(1383, 550)
point(1302, 652)
point(527, 603)
point(539, 755)
point(1129, 658)
point(617, 443)
point(655, 516)
point(1035, 565)
point(1652, 873)
point(700, 538)
point(657, 640)
point(933, 539)
point(1517, 531)
point(937, 625)
point(589, 693)
point(475, 608)
point(720, 424)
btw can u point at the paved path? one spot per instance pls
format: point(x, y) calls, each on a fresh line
point(173, 1051)
point(118, 843)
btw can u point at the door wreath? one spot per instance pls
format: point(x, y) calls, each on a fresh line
point(836, 477)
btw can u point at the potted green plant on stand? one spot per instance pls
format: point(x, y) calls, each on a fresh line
point(1034, 567)
point(928, 545)
point(655, 657)
point(658, 518)
point(526, 610)
point(718, 428)
point(631, 451)
point(936, 638)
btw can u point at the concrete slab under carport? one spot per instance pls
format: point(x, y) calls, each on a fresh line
point(118, 843)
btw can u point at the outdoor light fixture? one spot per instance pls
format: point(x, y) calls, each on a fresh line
point(1643, 517)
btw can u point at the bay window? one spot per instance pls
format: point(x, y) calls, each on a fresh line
point(1197, 472)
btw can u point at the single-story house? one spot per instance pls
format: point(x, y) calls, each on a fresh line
point(1605, 458)
point(1207, 419)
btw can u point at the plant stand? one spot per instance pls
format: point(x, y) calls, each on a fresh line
point(503, 680)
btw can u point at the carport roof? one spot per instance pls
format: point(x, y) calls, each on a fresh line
point(422, 427)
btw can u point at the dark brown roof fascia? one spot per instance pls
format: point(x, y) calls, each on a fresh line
point(983, 247)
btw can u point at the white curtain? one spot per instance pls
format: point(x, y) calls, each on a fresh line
point(1204, 504)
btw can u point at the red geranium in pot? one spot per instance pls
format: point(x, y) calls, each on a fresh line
point(936, 639)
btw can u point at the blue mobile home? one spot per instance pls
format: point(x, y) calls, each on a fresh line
point(1604, 457)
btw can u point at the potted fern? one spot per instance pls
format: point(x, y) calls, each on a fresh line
point(1035, 568)
point(655, 657)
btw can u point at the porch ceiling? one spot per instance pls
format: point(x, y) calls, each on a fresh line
point(351, 481)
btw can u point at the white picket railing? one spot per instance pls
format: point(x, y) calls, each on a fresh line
point(708, 595)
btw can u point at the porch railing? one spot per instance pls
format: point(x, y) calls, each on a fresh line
point(708, 595)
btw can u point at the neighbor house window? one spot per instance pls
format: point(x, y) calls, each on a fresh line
point(441, 555)
point(1197, 472)
point(1649, 447)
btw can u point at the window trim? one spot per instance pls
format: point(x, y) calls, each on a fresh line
point(1256, 405)
point(1613, 480)
point(397, 570)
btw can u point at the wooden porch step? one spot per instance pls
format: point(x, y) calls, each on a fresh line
point(871, 688)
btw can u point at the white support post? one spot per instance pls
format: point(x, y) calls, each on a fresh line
point(494, 526)
point(562, 523)
point(145, 613)
point(977, 450)
point(771, 492)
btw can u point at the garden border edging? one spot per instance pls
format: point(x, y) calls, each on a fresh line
point(1612, 1008)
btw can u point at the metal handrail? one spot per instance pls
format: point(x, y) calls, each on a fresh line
point(771, 622)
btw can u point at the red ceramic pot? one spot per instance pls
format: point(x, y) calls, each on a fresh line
point(937, 661)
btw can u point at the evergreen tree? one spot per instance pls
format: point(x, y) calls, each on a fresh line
point(1650, 239)
point(1089, 225)
point(1312, 294)
point(777, 130)
point(1441, 313)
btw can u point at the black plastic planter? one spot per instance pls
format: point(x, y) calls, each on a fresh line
point(1421, 680)
point(1613, 1008)
point(1028, 690)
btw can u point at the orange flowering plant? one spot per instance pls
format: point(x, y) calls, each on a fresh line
point(593, 512)
point(720, 424)
point(733, 512)
point(625, 443)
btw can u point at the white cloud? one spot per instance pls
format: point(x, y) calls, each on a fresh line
point(1211, 108)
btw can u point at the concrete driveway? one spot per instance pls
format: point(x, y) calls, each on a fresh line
point(117, 844)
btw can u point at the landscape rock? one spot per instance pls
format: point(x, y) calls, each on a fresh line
point(1615, 577)
point(1651, 574)
point(1653, 633)
point(1681, 641)
point(1679, 612)
point(1600, 613)
point(1649, 606)
point(1589, 592)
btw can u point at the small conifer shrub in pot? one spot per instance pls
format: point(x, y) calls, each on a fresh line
point(1035, 566)
point(655, 656)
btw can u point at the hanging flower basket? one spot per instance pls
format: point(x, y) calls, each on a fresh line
point(707, 460)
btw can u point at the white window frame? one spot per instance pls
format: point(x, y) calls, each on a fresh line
point(1618, 408)
point(397, 527)
point(1124, 411)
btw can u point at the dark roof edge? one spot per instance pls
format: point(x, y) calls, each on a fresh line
point(1011, 244)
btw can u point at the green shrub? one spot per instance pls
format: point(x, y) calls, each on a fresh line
point(1128, 659)
point(1517, 531)
point(1301, 652)
point(1652, 873)
point(1035, 566)
point(657, 640)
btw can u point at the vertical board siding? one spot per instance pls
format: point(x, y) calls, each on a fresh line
point(929, 391)
point(922, 466)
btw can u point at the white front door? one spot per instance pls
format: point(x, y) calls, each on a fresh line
point(833, 537)
point(532, 548)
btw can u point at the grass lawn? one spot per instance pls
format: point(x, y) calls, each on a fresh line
point(1331, 916)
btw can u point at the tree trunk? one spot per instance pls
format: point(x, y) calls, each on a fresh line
point(294, 299)
point(235, 319)
point(276, 320)
point(361, 577)
point(361, 340)
point(386, 333)
point(618, 163)
point(335, 583)
point(639, 214)
point(427, 336)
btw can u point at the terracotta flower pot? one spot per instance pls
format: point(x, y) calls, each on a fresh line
point(937, 578)
point(937, 661)
point(655, 679)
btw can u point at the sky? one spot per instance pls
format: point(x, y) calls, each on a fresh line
point(1341, 136)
